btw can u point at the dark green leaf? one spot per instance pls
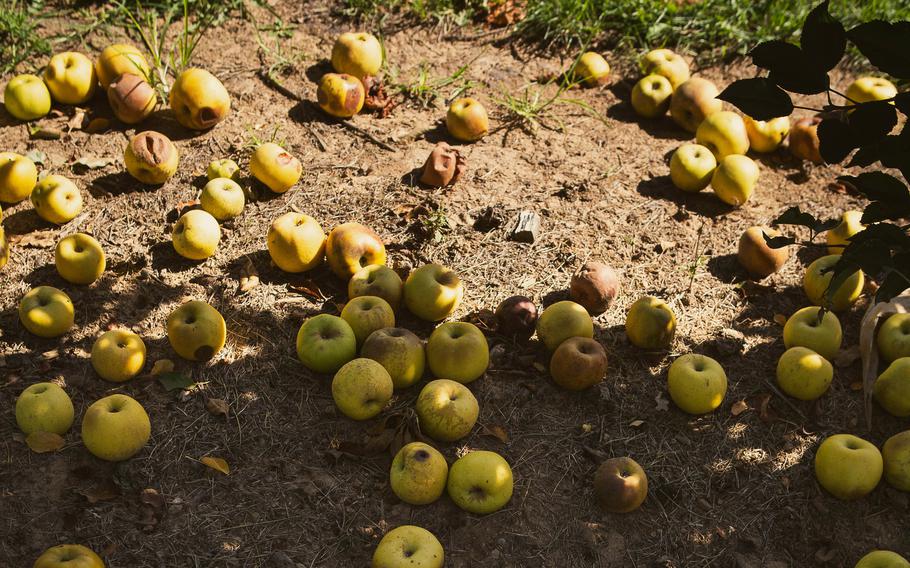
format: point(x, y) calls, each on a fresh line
point(835, 139)
point(175, 381)
point(790, 68)
point(902, 102)
point(885, 45)
point(842, 270)
point(759, 98)
point(795, 216)
point(889, 192)
point(823, 39)
point(893, 284)
point(866, 156)
point(778, 242)
point(871, 122)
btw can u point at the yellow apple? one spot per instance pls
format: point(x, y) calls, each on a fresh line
point(57, 199)
point(44, 407)
point(223, 168)
point(274, 167)
point(882, 559)
point(480, 482)
point(325, 343)
point(620, 485)
point(432, 292)
point(839, 237)
point(115, 428)
point(892, 388)
point(399, 351)
point(418, 474)
point(79, 259)
point(70, 77)
point(358, 54)
point(118, 59)
point(804, 143)
point(408, 546)
point(693, 101)
point(26, 97)
point(361, 388)
point(666, 63)
point(578, 363)
point(804, 329)
point(131, 98)
point(466, 120)
point(893, 338)
point(340, 95)
point(68, 556)
point(196, 331)
point(4, 248)
point(869, 89)
point(896, 457)
point(458, 351)
point(46, 312)
point(196, 235)
point(592, 69)
point(351, 246)
point(198, 99)
point(724, 133)
point(697, 383)
point(446, 410)
point(366, 314)
point(151, 157)
point(691, 167)
point(561, 321)
point(118, 355)
point(848, 467)
point(651, 96)
point(734, 179)
point(18, 176)
point(754, 254)
point(296, 242)
point(377, 280)
point(222, 198)
point(817, 280)
point(650, 324)
point(803, 373)
point(767, 135)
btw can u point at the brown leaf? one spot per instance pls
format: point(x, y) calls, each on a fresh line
point(497, 432)
point(312, 292)
point(36, 239)
point(105, 491)
point(76, 121)
point(780, 319)
point(506, 13)
point(217, 406)
point(152, 498)
point(765, 412)
point(180, 207)
point(152, 508)
point(94, 162)
point(739, 407)
point(371, 446)
point(249, 276)
point(847, 357)
point(218, 464)
point(43, 442)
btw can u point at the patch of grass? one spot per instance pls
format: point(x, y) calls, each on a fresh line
point(531, 108)
point(425, 89)
point(19, 37)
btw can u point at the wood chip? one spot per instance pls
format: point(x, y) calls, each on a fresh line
point(527, 227)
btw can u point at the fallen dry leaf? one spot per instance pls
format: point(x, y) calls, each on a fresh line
point(848, 356)
point(105, 491)
point(636, 423)
point(162, 366)
point(36, 239)
point(780, 319)
point(739, 407)
point(662, 403)
point(77, 119)
point(217, 406)
point(93, 162)
point(313, 292)
point(36, 156)
point(765, 413)
point(506, 13)
point(43, 442)
point(249, 276)
point(152, 509)
point(497, 432)
point(218, 464)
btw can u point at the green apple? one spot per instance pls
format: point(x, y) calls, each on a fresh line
point(839, 237)
point(46, 312)
point(358, 54)
point(767, 135)
point(18, 177)
point(818, 278)
point(68, 556)
point(561, 321)
point(118, 355)
point(651, 96)
point(198, 99)
point(296, 242)
point(275, 167)
point(196, 331)
point(196, 235)
point(70, 77)
point(754, 254)
point(691, 167)
point(848, 467)
point(892, 388)
point(458, 351)
point(869, 89)
point(418, 474)
point(724, 133)
point(620, 485)
point(325, 343)
point(399, 351)
point(592, 69)
point(366, 314)
point(896, 457)
point(151, 157)
point(466, 120)
point(666, 63)
point(223, 198)
point(377, 280)
point(44, 407)
point(115, 428)
point(480, 482)
point(578, 363)
point(26, 97)
point(893, 338)
point(446, 410)
point(432, 292)
point(697, 383)
point(351, 246)
point(693, 101)
point(340, 95)
point(882, 559)
point(803, 373)
point(408, 547)
point(650, 324)
point(57, 199)
point(734, 179)
point(79, 259)
point(223, 168)
point(804, 329)
point(361, 388)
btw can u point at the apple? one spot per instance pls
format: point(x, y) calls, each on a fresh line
point(893, 338)
point(803, 329)
point(26, 97)
point(592, 70)
point(366, 314)
point(118, 355)
point(351, 246)
point(892, 388)
point(151, 157)
point(839, 237)
point(804, 374)
point(432, 292)
point(896, 457)
point(767, 135)
point(650, 324)
point(44, 407)
point(68, 556)
point(651, 96)
point(131, 98)
point(882, 559)
point(817, 280)
point(594, 286)
point(734, 179)
point(480, 482)
point(296, 242)
point(57, 199)
point(119, 59)
point(46, 312)
point(458, 351)
point(325, 343)
point(561, 321)
point(666, 63)
point(361, 388)
point(358, 54)
point(691, 167)
point(693, 101)
point(376, 280)
point(578, 363)
point(804, 142)
point(869, 89)
point(466, 120)
point(196, 331)
point(70, 77)
point(754, 254)
point(196, 235)
point(274, 167)
point(620, 485)
point(724, 133)
point(4, 248)
point(18, 176)
point(408, 546)
point(223, 168)
point(199, 100)
point(516, 316)
point(222, 198)
point(418, 474)
point(446, 410)
point(697, 383)
point(79, 259)
point(340, 95)
point(115, 428)
point(399, 351)
point(444, 166)
point(848, 467)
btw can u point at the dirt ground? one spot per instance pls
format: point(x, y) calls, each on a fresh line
point(309, 487)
